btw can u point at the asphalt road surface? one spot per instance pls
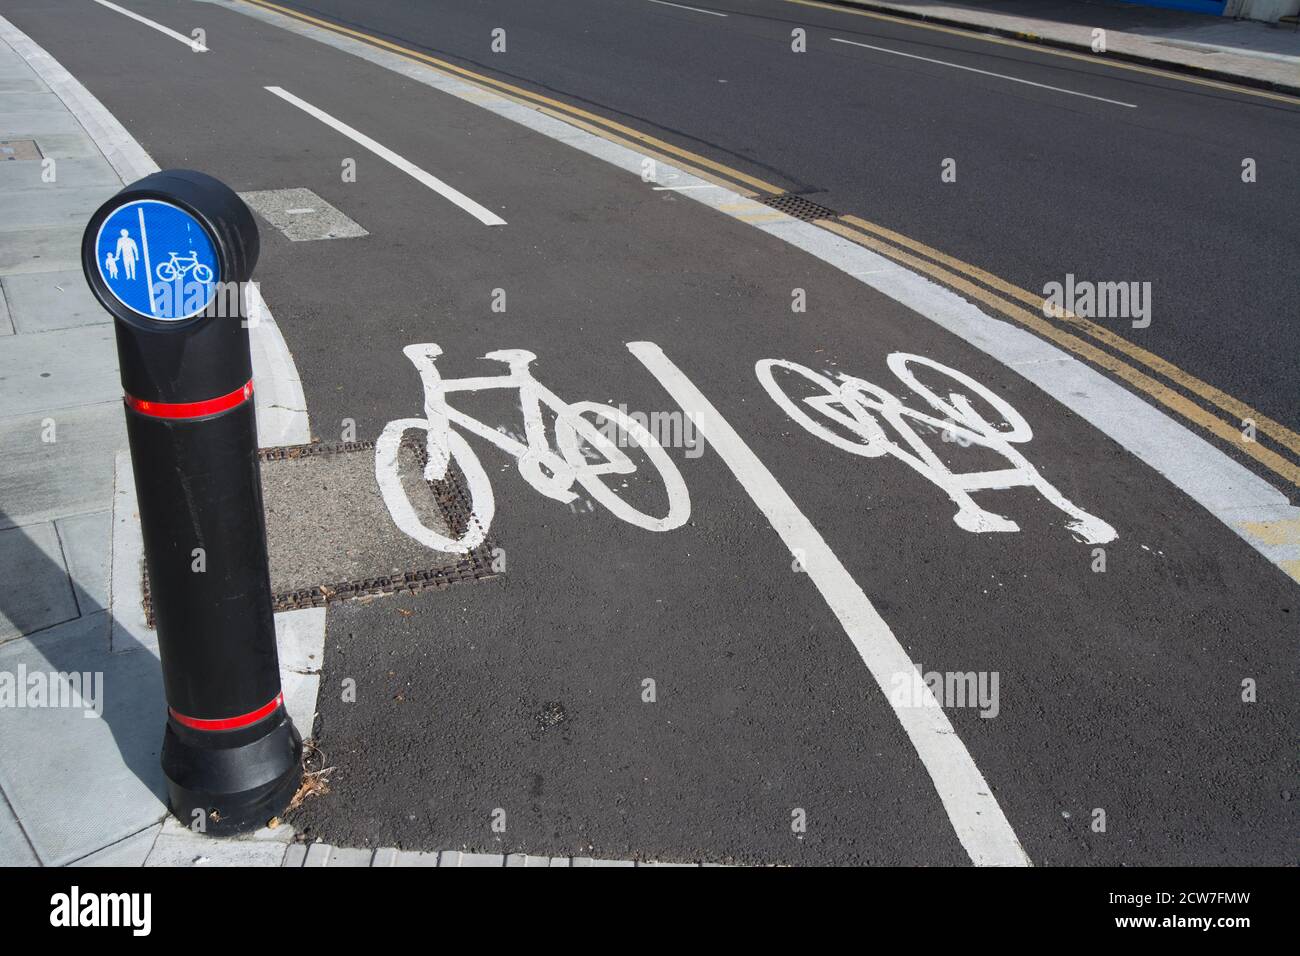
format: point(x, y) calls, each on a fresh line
point(718, 686)
point(1047, 181)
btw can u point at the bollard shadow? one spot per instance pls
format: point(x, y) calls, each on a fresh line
point(81, 791)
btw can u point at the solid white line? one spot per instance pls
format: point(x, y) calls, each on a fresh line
point(976, 817)
point(679, 6)
point(481, 213)
point(971, 69)
point(190, 42)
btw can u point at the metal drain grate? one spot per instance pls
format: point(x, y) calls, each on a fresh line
point(294, 452)
point(799, 207)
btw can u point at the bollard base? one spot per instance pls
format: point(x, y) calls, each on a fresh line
point(227, 782)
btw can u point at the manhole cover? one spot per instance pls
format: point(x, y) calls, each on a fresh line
point(330, 536)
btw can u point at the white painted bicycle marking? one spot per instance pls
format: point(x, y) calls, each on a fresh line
point(586, 453)
point(973, 810)
point(852, 404)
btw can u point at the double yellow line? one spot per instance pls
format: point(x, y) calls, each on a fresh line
point(1120, 356)
point(1150, 374)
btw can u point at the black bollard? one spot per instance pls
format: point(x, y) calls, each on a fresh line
point(169, 257)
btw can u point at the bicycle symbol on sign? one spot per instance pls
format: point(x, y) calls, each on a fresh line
point(179, 265)
point(586, 454)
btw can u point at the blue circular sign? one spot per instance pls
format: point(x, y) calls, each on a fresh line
point(157, 260)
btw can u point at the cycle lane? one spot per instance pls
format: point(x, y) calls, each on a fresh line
point(525, 693)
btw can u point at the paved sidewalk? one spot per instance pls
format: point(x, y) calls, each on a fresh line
point(80, 780)
point(1242, 51)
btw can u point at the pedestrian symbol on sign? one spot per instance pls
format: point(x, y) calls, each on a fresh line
point(157, 260)
point(128, 252)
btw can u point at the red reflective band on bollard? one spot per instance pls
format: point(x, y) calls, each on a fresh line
point(192, 409)
point(230, 723)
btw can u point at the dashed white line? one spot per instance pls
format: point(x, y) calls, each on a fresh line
point(1000, 76)
point(453, 195)
point(190, 42)
point(680, 6)
point(976, 817)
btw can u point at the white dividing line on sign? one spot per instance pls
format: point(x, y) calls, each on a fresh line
point(680, 6)
point(1000, 76)
point(190, 42)
point(148, 268)
point(481, 213)
point(976, 817)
